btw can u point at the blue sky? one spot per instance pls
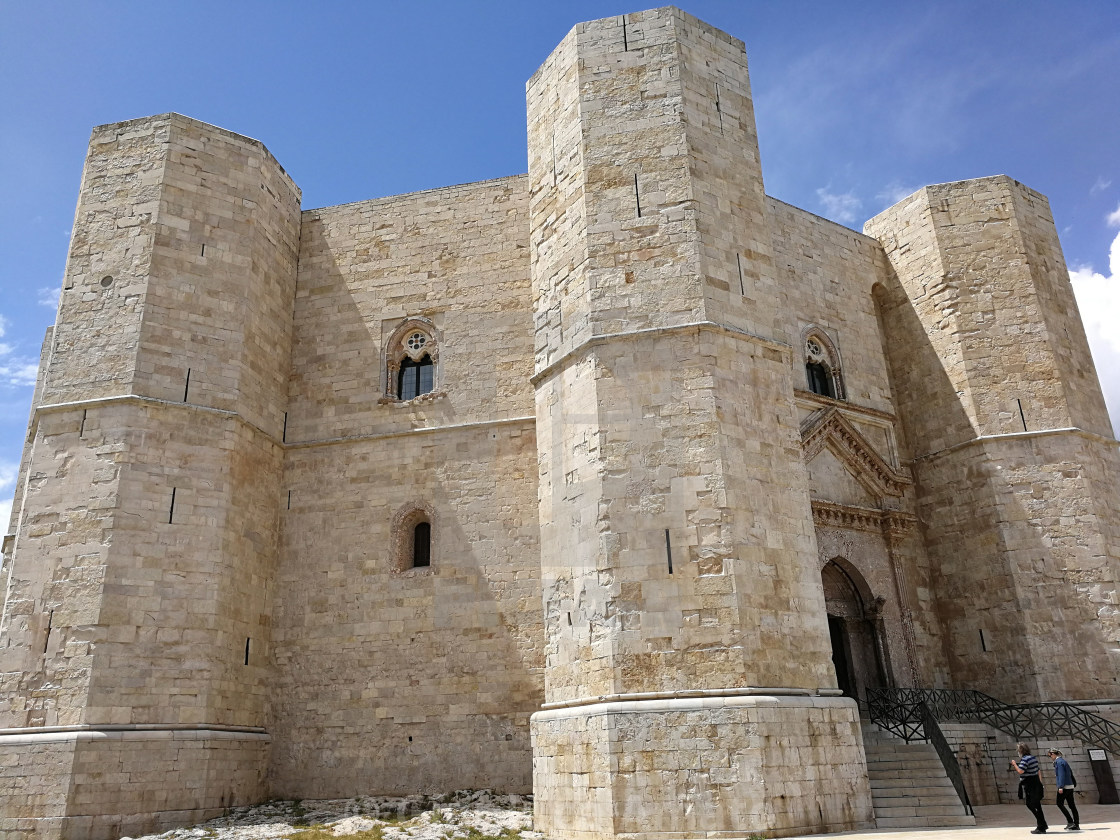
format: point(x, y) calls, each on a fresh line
point(857, 105)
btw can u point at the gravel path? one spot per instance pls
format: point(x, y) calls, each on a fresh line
point(464, 815)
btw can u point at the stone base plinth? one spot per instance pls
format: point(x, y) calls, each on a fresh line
point(95, 784)
point(700, 766)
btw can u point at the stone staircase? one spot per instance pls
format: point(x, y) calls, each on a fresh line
point(909, 788)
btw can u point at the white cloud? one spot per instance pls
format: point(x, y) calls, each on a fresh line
point(1114, 219)
point(894, 192)
point(840, 207)
point(1101, 185)
point(15, 371)
point(1098, 298)
point(18, 373)
point(48, 297)
point(8, 472)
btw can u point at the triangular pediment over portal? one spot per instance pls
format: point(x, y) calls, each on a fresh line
point(828, 430)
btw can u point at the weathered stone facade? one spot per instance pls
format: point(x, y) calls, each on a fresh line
point(689, 468)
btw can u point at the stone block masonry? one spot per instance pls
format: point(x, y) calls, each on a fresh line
point(618, 481)
point(1014, 458)
point(141, 575)
point(660, 416)
point(384, 672)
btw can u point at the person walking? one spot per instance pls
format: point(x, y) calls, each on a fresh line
point(1027, 768)
point(1067, 788)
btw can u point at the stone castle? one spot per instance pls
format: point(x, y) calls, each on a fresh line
point(617, 482)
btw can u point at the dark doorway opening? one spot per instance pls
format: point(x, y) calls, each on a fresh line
point(841, 655)
point(855, 629)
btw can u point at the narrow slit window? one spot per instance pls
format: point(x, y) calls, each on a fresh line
point(422, 545)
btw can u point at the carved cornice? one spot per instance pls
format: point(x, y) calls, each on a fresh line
point(852, 518)
point(830, 429)
point(829, 515)
point(897, 522)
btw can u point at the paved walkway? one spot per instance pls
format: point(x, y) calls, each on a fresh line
point(1007, 822)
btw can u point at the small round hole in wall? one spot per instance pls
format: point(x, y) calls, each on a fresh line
point(107, 281)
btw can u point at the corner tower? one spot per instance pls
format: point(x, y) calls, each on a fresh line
point(689, 687)
point(1015, 460)
point(139, 593)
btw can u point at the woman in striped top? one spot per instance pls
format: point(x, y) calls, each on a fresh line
point(1027, 768)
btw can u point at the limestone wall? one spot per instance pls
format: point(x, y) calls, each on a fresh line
point(142, 564)
point(455, 256)
point(992, 375)
point(828, 272)
point(654, 428)
point(694, 767)
point(115, 791)
point(388, 679)
point(677, 547)
point(983, 754)
point(631, 489)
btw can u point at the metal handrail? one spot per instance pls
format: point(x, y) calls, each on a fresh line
point(1024, 720)
point(948, 758)
point(915, 721)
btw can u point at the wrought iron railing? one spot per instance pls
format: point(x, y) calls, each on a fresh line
point(1024, 721)
point(915, 721)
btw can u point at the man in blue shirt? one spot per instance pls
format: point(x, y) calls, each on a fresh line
point(1066, 790)
point(1027, 768)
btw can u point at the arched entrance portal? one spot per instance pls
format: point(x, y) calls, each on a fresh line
point(855, 627)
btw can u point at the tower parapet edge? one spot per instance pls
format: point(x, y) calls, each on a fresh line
point(679, 570)
point(1014, 457)
point(136, 622)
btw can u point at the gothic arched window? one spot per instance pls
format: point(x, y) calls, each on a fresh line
point(411, 359)
point(822, 365)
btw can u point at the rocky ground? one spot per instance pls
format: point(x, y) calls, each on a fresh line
point(465, 815)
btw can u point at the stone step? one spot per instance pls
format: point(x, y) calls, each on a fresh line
point(892, 811)
point(925, 822)
point(917, 762)
point(909, 788)
point(903, 792)
point(894, 749)
point(923, 802)
point(913, 770)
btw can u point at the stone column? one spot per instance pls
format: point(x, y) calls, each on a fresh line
point(689, 685)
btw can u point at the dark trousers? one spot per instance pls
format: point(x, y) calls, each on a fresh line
point(1032, 798)
point(1066, 797)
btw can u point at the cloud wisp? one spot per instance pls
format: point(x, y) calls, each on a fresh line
point(840, 207)
point(15, 371)
point(1098, 298)
point(8, 471)
point(48, 297)
point(894, 192)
